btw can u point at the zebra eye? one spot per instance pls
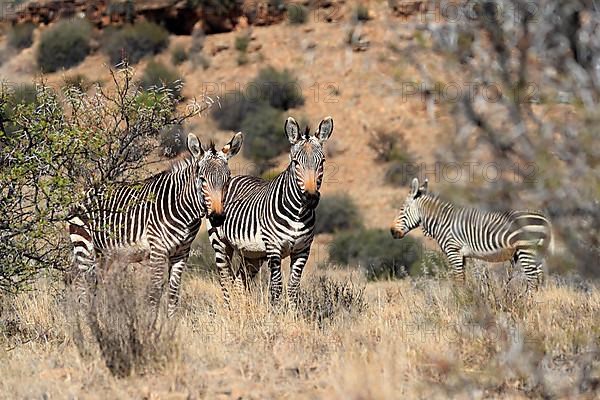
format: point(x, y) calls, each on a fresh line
point(204, 186)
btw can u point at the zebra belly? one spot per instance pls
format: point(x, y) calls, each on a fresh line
point(498, 255)
point(137, 251)
point(253, 247)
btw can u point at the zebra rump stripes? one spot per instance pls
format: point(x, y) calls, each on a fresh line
point(270, 220)
point(519, 236)
point(158, 218)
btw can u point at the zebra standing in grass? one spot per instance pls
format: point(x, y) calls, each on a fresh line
point(519, 236)
point(267, 221)
point(158, 219)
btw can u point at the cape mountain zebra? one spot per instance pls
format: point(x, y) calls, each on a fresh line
point(519, 236)
point(158, 218)
point(270, 220)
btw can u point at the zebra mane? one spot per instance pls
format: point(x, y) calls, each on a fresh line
point(211, 147)
point(307, 132)
point(179, 163)
point(184, 160)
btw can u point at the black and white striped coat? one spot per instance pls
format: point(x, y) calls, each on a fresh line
point(523, 237)
point(157, 219)
point(271, 220)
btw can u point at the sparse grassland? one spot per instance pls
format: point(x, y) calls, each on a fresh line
point(349, 340)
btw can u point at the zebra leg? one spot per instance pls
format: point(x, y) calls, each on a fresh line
point(298, 261)
point(276, 281)
point(178, 263)
point(85, 265)
point(457, 263)
point(247, 272)
point(531, 267)
point(84, 256)
point(223, 254)
point(158, 261)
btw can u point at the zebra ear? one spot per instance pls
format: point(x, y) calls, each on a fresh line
point(292, 130)
point(414, 187)
point(234, 145)
point(325, 130)
point(194, 146)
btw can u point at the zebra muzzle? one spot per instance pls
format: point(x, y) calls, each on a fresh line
point(216, 219)
point(397, 234)
point(312, 199)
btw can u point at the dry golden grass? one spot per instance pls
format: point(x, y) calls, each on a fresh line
point(402, 339)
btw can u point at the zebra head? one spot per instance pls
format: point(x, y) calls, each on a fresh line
point(307, 157)
point(213, 174)
point(409, 217)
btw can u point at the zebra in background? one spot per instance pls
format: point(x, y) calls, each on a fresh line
point(157, 219)
point(271, 220)
point(519, 236)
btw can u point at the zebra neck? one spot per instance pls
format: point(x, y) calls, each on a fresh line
point(291, 197)
point(433, 211)
point(185, 182)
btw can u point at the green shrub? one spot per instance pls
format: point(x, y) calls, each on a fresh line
point(160, 76)
point(241, 42)
point(361, 13)
point(297, 13)
point(279, 88)
point(135, 41)
point(257, 112)
point(242, 59)
point(64, 45)
point(232, 110)
point(264, 136)
point(178, 55)
point(337, 213)
point(376, 252)
point(21, 36)
point(24, 93)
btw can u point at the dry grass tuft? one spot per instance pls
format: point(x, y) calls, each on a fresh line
point(349, 339)
point(326, 300)
point(117, 324)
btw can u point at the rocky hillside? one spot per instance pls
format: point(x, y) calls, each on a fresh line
point(347, 57)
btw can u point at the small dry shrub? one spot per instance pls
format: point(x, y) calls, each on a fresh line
point(337, 212)
point(361, 13)
point(64, 45)
point(135, 42)
point(486, 293)
point(392, 147)
point(78, 81)
point(389, 146)
point(21, 36)
point(122, 325)
point(324, 299)
point(179, 55)
point(297, 14)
